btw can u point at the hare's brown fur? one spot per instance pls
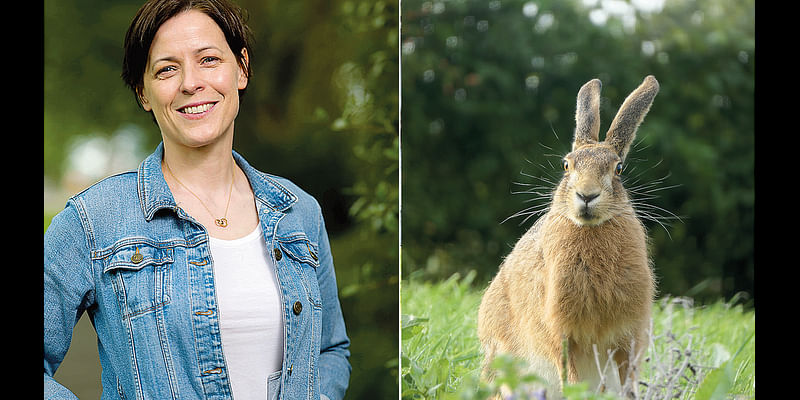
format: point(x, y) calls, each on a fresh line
point(581, 272)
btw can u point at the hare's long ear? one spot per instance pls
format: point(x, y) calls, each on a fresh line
point(623, 129)
point(587, 114)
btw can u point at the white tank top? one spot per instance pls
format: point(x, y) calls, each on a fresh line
point(250, 317)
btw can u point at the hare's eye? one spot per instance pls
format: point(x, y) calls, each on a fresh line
point(618, 169)
point(566, 165)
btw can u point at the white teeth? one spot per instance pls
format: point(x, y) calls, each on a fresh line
point(197, 109)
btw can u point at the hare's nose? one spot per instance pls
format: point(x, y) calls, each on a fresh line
point(587, 198)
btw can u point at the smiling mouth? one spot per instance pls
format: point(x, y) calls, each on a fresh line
point(199, 109)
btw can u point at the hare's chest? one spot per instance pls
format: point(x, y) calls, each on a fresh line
point(592, 285)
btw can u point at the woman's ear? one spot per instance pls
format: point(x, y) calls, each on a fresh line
point(244, 67)
point(143, 100)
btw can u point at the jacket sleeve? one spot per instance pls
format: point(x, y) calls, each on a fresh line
point(67, 292)
point(334, 365)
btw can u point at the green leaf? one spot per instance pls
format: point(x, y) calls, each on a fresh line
point(717, 383)
point(720, 381)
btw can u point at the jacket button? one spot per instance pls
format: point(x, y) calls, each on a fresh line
point(298, 307)
point(278, 254)
point(137, 257)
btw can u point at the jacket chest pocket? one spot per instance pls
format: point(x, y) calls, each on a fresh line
point(303, 255)
point(140, 274)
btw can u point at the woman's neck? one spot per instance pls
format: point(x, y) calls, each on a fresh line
point(208, 185)
point(207, 167)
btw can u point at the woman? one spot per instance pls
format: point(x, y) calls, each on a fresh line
point(203, 277)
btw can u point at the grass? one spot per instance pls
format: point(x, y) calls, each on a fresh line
point(696, 352)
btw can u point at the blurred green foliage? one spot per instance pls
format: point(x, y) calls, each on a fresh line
point(488, 99)
point(321, 110)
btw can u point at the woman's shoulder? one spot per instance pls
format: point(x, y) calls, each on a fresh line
point(292, 187)
point(297, 196)
point(278, 190)
point(114, 185)
point(113, 195)
point(101, 200)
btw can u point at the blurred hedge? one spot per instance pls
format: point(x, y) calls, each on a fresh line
point(488, 99)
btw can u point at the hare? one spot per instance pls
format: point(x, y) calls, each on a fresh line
point(581, 274)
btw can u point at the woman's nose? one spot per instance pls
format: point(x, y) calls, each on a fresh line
point(191, 82)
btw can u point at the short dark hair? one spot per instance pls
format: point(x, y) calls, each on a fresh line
point(230, 18)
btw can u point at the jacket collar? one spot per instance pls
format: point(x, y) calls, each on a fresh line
point(154, 194)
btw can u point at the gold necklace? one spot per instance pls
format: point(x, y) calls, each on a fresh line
point(220, 222)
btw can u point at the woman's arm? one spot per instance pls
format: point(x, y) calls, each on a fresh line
point(68, 290)
point(334, 367)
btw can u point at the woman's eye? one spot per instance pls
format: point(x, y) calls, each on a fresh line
point(209, 60)
point(618, 169)
point(165, 71)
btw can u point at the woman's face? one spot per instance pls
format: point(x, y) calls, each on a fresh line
point(192, 81)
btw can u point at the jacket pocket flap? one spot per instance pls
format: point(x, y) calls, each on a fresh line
point(136, 256)
point(300, 249)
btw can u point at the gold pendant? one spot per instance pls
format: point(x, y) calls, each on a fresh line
point(221, 222)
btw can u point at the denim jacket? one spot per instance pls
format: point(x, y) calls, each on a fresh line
point(124, 252)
